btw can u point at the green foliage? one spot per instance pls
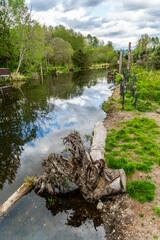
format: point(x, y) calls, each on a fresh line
point(76, 40)
point(62, 52)
point(142, 191)
point(81, 59)
point(155, 236)
point(148, 177)
point(88, 138)
point(107, 104)
point(134, 146)
point(155, 58)
point(119, 78)
point(148, 85)
point(156, 210)
point(51, 201)
point(141, 215)
point(29, 180)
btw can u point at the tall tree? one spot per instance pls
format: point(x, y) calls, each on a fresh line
point(76, 40)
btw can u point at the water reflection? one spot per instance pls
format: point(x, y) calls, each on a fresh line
point(33, 126)
point(70, 218)
point(30, 129)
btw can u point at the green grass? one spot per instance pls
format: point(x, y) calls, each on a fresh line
point(141, 215)
point(148, 89)
point(156, 210)
point(134, 147)
point(107, 104)
point(148, 84)
point(142, 191)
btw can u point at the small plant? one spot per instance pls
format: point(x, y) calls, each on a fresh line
point(153, 218)
point(141, 215)
point(29, 180)
point(148, 177)
point(156, 210)
point(155, 236)
point(88, 138)
point(106, 106)
point(66, 181)
point(51, 201)
point(142, 191)
point(64, 150)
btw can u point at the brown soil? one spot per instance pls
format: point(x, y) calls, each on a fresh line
point(121, 213)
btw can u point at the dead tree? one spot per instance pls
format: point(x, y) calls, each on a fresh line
point(88, 171)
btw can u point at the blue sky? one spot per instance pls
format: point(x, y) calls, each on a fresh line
point(119, 21)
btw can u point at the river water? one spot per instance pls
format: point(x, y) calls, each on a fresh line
point(31, 127)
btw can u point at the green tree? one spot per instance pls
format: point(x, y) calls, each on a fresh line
point(5, 36)
point(155, 58)
point(62, 52)
point(76, 40)
point(81, 59)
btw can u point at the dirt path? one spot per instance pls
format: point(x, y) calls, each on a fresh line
point(121, 213)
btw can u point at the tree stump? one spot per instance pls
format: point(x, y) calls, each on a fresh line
point(88, 171)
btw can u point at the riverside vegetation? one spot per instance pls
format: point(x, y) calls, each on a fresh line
point(134, 145)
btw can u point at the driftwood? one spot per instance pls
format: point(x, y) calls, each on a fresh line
point(88, 172)
point(24, 189)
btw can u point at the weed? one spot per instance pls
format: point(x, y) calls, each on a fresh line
point(155, 236)
point(66, 181)
point(156, 210)
point(148, 177)
point(29, 180)
point(142, 191)
point(51, 201)
point(88, 138)
point(107, 105)
point(141, 215)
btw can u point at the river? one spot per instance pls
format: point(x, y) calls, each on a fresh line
point(31, 127)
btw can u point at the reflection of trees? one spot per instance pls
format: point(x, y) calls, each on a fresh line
point(80, 209)
point(14, 133)
point(72, 84)
point(20, 121)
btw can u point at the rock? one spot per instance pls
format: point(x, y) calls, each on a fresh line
point(100, 205)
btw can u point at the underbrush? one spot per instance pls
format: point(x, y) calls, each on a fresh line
point(134, 147)
point(147, 88)
point(148, 84)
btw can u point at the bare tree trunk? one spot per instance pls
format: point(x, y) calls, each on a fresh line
point(41, 69)
point(120, 63)
point(129, 56)
point(46, 62)
point(88, 172)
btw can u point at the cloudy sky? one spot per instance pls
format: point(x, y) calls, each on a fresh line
point(119, 21)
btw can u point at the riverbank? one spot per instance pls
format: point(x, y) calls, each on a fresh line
point(51, 71)
point(125, 218)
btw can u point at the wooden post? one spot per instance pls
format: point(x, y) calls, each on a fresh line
point(120, 63)
point(129, 56)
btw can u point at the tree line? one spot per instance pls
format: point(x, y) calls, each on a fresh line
point(146, 52)
point(25, 44)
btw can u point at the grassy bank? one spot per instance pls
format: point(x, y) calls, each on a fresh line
point(134, 145)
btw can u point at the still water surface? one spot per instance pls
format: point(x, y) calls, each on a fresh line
point(31, 128)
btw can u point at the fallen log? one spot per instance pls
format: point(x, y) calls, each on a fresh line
point(88, 171)
point(24, 189)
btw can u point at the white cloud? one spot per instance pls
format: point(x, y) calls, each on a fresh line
point(119, 21)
